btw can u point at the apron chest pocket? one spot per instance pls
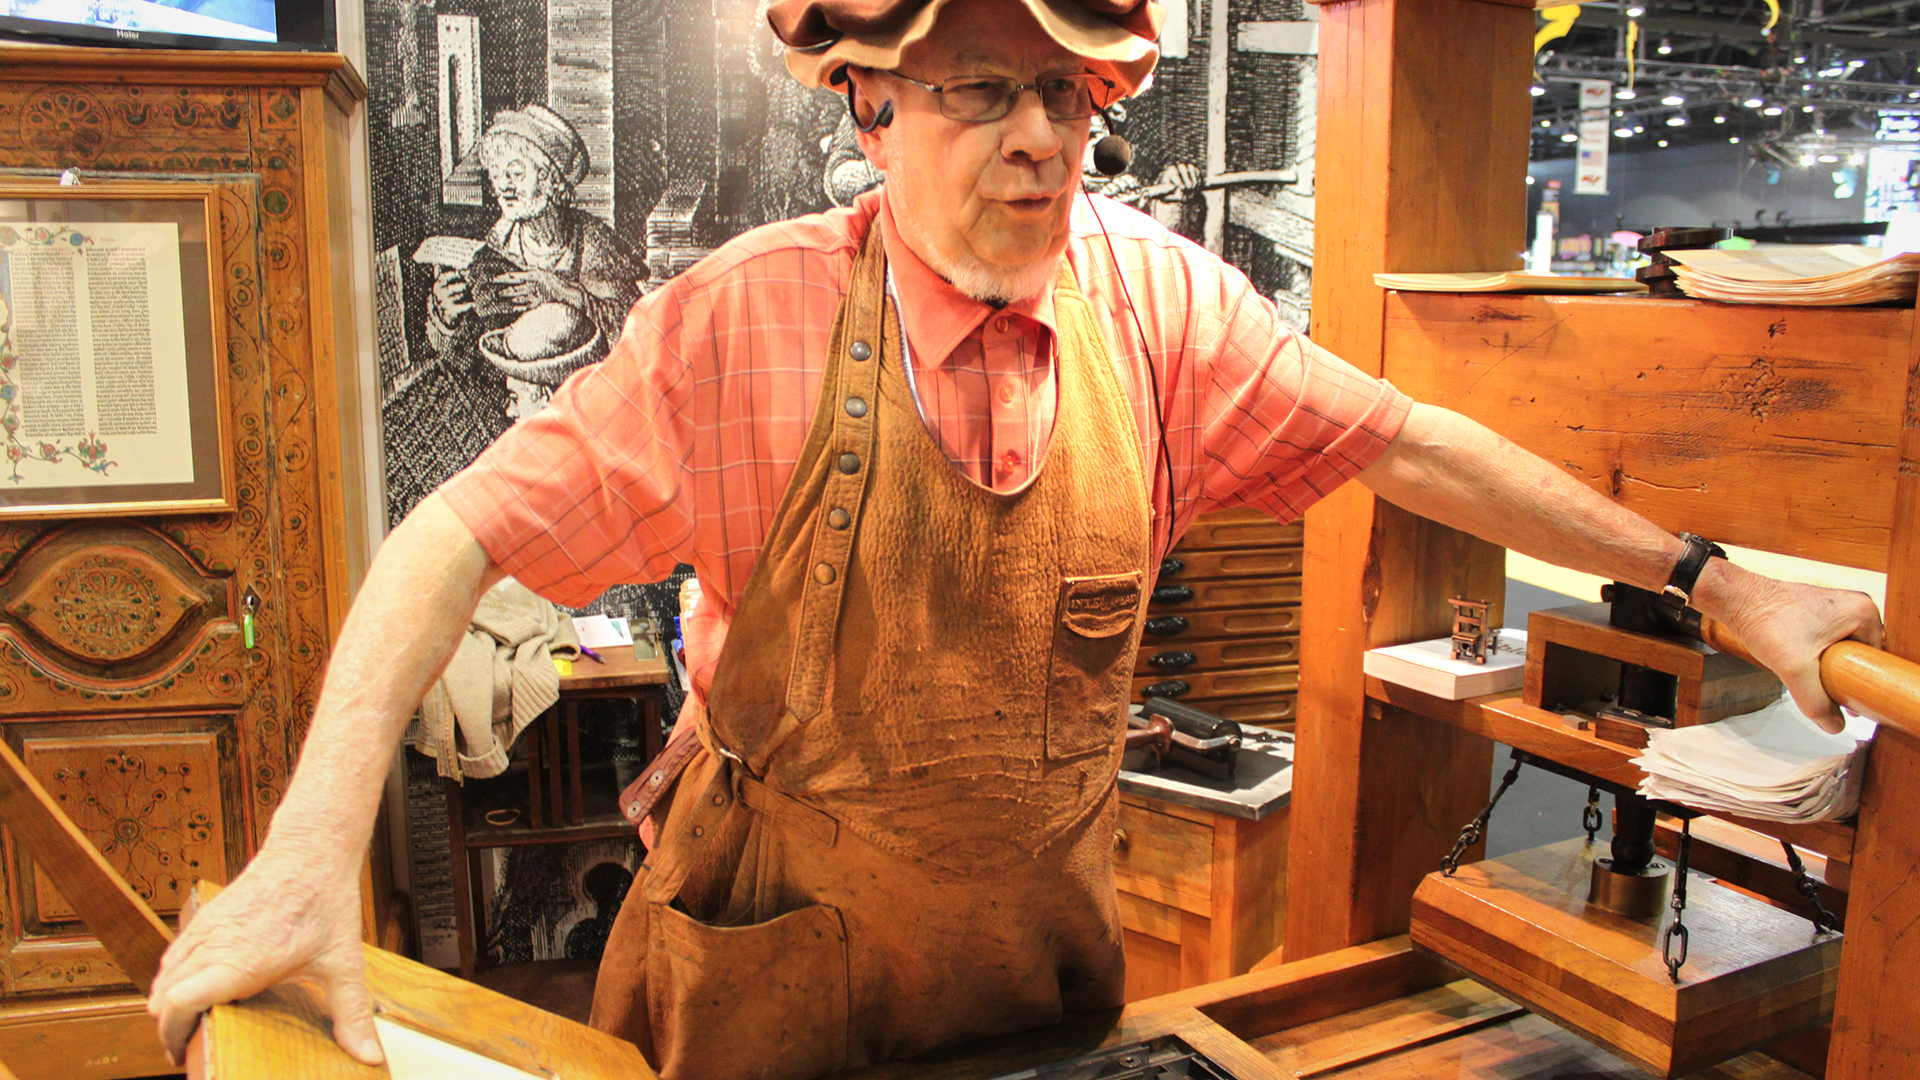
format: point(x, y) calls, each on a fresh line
point(1093, 643)
point(761, 1002)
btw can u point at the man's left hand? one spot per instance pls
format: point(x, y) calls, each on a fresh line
point(1786, 626)
point(526, 289)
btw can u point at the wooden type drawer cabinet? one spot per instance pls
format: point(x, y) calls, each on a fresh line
point(1202, 895)
point(1223, 628)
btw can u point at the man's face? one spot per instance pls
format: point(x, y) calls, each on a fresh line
point(519, 185)
point(985, 205)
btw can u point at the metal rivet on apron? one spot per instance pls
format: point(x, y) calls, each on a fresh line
point(719, 800)
point(839, 518)
point(856, 407)
point(697, 832)
point(656, 779)
point(849, 463)
point(860, 350)
point(823, 574)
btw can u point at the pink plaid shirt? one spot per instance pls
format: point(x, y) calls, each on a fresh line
point(679, 447)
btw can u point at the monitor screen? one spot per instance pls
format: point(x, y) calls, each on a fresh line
point(237, 24)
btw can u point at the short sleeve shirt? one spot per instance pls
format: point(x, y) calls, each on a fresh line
point(679, 446)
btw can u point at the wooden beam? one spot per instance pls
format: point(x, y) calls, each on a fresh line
point(132, 934)
point(1423, 150)
point(1873, 1030)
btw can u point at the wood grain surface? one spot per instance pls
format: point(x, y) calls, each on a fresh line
point(1733, 418)
point(1522, 925)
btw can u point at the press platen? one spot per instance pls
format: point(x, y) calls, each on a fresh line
point(1522, 925)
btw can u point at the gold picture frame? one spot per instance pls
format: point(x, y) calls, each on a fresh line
point(113, 351)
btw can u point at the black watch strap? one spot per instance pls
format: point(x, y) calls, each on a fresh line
point(1686, 573)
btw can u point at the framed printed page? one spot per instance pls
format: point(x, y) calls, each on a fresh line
point(113, 388)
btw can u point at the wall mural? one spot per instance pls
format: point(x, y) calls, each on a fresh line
point(537, 165)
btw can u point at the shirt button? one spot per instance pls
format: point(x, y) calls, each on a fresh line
point(1006, 393)
point(1002, 323)
point(1009, 462)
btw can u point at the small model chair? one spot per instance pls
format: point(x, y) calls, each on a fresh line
point(285, 1032)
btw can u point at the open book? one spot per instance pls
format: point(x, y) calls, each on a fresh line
point(1827, 274)
point(1505, 281)
point(1772, 764)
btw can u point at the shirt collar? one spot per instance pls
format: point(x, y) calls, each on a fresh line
point(935, 316)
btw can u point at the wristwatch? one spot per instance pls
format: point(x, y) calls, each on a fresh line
point(1679, 591)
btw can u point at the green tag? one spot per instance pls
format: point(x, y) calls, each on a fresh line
point(246, 629)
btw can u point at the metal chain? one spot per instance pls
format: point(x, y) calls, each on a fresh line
point(1590, 818)
point(1470, 835)
point(1678, 931)
point(1803, 881)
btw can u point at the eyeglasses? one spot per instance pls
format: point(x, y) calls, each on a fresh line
point(983, 98)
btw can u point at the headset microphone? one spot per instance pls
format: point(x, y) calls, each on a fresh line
point(1112, 155)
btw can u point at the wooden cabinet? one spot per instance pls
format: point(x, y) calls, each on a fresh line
point(1203, 895)
point(1223, 630)
point(167, 739)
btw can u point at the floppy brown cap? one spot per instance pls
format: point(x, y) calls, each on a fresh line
point(1118, 37)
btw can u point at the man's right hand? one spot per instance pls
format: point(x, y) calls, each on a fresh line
point(451, 296)
point(283, 918)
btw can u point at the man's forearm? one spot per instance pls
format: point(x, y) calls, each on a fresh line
point(1448, 468)
point(1451, 469)
point(404, 625)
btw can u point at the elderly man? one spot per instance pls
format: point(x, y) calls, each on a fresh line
point(924, 452)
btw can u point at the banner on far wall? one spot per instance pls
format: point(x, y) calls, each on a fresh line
point(1596, 103)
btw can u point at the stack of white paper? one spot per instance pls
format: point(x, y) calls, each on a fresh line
point(1772, 764)
point(1829, 274)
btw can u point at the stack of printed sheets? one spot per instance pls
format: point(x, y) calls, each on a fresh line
point(1830, 274)
point(1773, 764)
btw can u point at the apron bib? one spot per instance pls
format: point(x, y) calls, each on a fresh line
point(895, 830)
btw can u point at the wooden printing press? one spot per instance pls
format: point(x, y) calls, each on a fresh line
point(1794, 430)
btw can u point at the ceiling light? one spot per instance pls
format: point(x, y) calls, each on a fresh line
point(1666, 47)
point(1625, 132)
point(1806, 108)
point(1635, 11)
point(1625, 93)
point(1771, 110)
point(1546, 123)
point(1537, 90)
point(1833, 73)
point(1720, 118)
point(1805, 160)
point(1571, 137)
point(1734, 139)
point(1856, 63)
point(1673, 99)
point(1799, 59)
point(1753, 103)
point(1829, 159)
point(1663, 142)
point(1676, 121)
point(1639, 129)
point(1529, 181)
point(1856, 159)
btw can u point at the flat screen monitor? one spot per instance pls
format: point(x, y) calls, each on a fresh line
point(188, 24)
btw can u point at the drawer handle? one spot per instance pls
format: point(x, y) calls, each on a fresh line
point(1172, 594)
point(1120, 840)
point(1171, 567)
point(1173, 660)
point(1166, 625)
point(1170, 688)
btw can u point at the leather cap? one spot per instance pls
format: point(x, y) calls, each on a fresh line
point(1118, 38)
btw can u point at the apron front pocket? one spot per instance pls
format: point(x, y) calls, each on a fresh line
point(767, 1001)
point(1093, 645)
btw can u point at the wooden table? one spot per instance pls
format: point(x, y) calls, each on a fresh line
point(560, 808)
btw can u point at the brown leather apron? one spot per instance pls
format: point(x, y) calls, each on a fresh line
point(896, 829)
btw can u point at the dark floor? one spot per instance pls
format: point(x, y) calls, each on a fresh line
point(1541, 808)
